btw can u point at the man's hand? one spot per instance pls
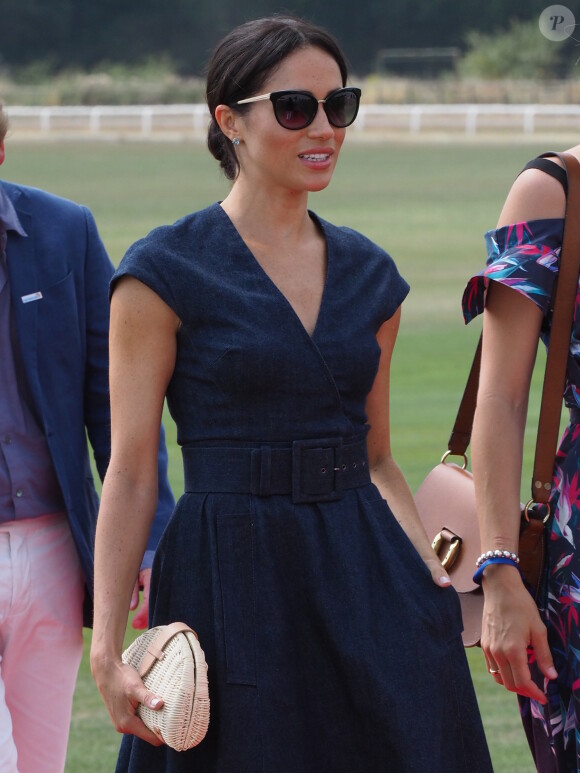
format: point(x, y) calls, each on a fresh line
point(141, 618)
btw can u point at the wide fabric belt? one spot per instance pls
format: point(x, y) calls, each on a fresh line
point(310, 470)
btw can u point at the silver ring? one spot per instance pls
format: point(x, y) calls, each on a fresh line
point(493, 671)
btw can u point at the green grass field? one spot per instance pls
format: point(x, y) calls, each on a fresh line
point(428, 205)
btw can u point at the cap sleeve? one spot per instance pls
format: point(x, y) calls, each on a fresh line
point(521, 255)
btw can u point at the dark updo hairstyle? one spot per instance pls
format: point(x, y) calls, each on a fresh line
point(243, 62)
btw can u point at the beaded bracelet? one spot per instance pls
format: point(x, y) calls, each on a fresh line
point(477, 577)
point(497, 554)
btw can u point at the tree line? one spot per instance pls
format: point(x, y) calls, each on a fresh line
point(66, 34)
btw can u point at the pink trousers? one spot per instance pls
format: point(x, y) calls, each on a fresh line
point(41, 595)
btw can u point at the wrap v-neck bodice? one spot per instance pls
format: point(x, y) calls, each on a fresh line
point(246, 367)
point(284, 297)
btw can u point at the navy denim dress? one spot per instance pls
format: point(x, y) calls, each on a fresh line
point(329, 647)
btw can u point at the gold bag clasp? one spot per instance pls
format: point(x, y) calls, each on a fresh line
point(446, 537)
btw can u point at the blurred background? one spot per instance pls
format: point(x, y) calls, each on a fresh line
point(69, 52)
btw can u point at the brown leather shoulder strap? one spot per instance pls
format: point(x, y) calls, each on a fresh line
point(461, 433)
point(558, 349)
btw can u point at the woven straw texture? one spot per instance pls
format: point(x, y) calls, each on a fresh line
point(180, 678)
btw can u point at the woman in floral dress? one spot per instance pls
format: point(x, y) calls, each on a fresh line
point(533, 652)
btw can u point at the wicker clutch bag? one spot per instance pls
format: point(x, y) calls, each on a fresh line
point(171, 663)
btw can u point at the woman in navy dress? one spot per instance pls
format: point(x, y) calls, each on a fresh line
point(329, 627)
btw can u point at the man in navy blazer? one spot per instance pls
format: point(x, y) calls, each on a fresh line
point(54, 322)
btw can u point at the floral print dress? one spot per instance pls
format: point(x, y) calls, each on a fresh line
point(525, 256)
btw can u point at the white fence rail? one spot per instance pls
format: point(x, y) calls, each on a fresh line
point(150, 121)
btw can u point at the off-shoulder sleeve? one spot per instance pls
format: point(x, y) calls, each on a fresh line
point(524, 256)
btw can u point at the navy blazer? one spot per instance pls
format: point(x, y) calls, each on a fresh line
point(63, 340)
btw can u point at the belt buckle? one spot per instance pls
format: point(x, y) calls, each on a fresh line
point(316, 467)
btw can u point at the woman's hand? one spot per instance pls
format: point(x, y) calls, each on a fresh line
point(438, 573)
point(122, 691)
point(511, 624)
point(415, 531)
point(141, 617)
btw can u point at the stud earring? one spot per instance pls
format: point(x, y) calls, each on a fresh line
point(236, 141)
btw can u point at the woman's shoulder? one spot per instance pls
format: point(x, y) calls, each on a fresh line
point(375, 273)
point(349, 238)
point(170, 250)
point(538, 192)
point(165, 256)
point(171, 237)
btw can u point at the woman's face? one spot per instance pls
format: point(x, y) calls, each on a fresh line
point(296, 160)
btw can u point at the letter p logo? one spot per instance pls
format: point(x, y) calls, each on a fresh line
point(557, 22)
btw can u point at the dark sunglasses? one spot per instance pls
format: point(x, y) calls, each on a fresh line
point(297, 109)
